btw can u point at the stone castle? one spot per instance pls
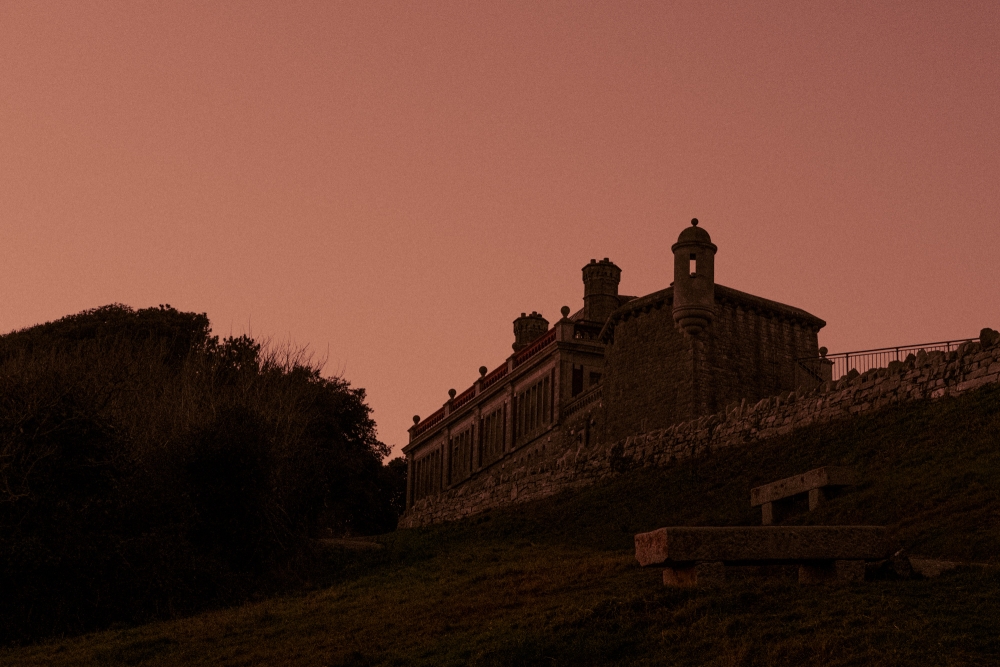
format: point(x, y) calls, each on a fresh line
point(618, 367)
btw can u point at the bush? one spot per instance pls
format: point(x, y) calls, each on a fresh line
point(147, 468)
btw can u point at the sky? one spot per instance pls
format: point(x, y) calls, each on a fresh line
point(392, 183)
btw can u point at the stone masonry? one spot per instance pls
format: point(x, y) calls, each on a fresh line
point(578, 461)
point(619, 366)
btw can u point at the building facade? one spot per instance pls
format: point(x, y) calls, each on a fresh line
point(619, 366)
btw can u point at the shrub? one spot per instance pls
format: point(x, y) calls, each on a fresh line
point(147, 468)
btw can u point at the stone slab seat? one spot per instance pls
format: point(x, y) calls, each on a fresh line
point(812, 482)
point(696, 555)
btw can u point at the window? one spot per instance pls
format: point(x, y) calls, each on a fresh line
point(595, 378)
point(427, 475)
point(493, 432)
point(460, 463)
point(577, 380)
point(693, 264)
point(533, 408)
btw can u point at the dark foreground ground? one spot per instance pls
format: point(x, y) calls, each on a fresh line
point(555, 582)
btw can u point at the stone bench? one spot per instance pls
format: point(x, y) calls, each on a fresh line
point(699, 556)
point(776, 496)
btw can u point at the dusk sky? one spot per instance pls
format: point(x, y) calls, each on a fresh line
point(391, 184)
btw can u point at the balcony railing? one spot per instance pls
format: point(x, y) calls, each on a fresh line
point(534, 348)
point(428, 422)
point(488, 380)
point(865, 360)
point(592, 396)
point(494, 376)
point(463, 398)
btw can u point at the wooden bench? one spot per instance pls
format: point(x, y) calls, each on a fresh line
point(776, 497)
point(699, 556)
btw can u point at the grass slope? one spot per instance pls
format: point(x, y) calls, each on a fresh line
point(555, 582)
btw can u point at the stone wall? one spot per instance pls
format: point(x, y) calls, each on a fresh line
point(648, 368)
point(654, 377)
point(751, 351)
point(574, 459)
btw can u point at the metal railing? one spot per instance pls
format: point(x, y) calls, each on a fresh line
point(865, 360)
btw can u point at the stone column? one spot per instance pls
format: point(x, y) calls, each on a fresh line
point(509, 441)
point(409, 482)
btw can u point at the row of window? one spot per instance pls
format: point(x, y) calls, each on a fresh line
point(494, 430)
point(533, 408)
point(460, 461)
point(465, 456)
point(427, 475)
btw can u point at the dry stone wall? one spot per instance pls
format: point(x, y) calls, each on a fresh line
point(571, 457)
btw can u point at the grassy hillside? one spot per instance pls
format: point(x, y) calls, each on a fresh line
point(555, 582)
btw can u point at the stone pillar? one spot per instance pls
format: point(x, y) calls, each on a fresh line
point(446, 459)
point(695, 574)
point(409, 482)
point(565, 327)
point(839, 571)
point(767, 514)
point(446, 447)
point(815, 498)
point(508, 444)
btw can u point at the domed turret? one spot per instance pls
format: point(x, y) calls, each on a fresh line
point(694, 279)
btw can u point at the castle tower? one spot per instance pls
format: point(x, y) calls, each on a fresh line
point(600, 289)
point(694, 280)
point(527, 329)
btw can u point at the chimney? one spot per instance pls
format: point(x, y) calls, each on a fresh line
point(600, 289)
point(527, 329)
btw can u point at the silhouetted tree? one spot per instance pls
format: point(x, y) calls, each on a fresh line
point(148, 468)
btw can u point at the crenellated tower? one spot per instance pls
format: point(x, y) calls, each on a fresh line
point(528, 328)
point(600, 289)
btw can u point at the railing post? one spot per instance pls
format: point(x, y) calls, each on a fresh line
point(565, 328)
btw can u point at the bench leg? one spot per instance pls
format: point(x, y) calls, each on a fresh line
point(817, 572)
point(840, 571)
point(816, 496)
point(680, 577)
point(850, 571)
point(767, 514)
point(700, 574)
